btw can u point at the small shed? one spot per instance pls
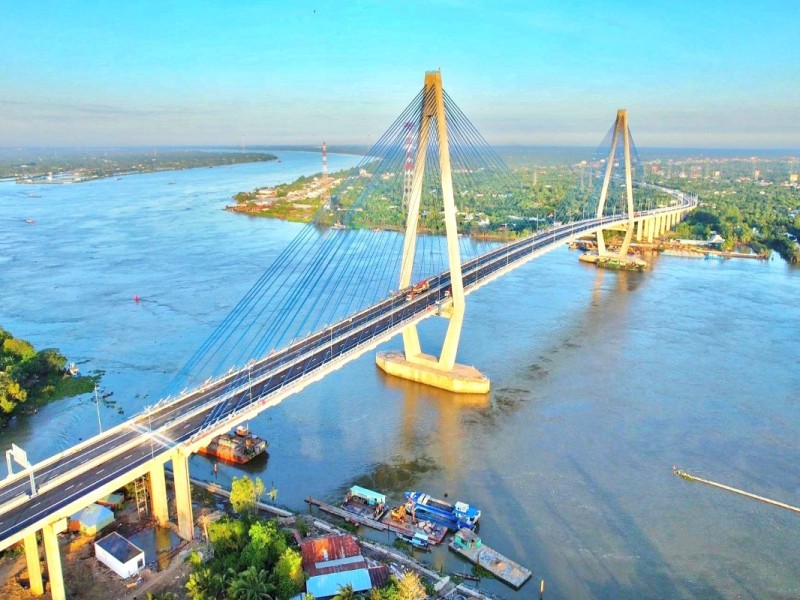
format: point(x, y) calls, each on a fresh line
point(465, 538)
point(368, 496)
point(91, 519)
point(119, 555)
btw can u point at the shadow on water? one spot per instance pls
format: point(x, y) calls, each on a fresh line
point(650, 571)
point(412, 460)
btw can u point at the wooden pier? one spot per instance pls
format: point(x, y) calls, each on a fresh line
point(351, 517)
point(469, 545)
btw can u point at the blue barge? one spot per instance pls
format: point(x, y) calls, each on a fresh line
point(453, 516)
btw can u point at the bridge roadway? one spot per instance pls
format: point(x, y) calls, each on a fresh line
point(66, 477)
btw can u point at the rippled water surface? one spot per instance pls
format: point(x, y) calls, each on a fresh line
point(601, 382)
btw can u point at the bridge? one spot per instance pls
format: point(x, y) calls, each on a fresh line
point(177, 426)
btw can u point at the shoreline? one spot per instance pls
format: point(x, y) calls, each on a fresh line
point(83, 174)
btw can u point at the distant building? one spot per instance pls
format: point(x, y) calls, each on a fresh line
point(793, 178)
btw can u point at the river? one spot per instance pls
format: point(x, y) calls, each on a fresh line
point(601, 382)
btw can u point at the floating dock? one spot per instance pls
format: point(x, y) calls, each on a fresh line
point(401, 521)
point(348, 516)
point(435, 536)
point(469, 545)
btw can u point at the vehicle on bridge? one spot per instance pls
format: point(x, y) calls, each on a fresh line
point(417, 289)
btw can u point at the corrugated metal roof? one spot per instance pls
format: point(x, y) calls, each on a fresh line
point(379, 575)
point(325, 554)
point(324, 586)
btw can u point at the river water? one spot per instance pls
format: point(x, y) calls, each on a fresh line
point(601, 382)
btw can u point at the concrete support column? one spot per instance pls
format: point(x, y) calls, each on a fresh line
point(158, 494)
point(53, 555)
point(34, 567)
point(649, 228)
point(183, 495)
point(639, 230)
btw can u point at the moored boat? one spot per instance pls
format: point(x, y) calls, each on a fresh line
point(453, 516)
point(239, 446)
point(364, 502)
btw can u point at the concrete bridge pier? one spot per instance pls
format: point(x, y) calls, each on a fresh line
point(53, 556)
point(183, 494)
point(639, 230)
point(650, 230)
point(158, 494)
point(34, 566)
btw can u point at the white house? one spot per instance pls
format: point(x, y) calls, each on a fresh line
point(119, 555)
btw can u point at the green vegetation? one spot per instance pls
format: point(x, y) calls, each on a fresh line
point(52, 166)
point(759, 214)
point(29, 378)
point(251, 559)
point(245, 494)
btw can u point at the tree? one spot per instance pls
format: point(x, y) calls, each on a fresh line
point(288, 574)
point(345, 592)
point(204, 584)
point(251, 584)
point(228, 535)
point(245, 493)
point(11, 393)
point(265, 547)
point(409, 587)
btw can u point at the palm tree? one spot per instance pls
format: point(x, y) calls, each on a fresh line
point(345, 592)
point(251, 584)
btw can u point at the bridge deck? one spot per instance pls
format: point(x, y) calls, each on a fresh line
point(70, 478)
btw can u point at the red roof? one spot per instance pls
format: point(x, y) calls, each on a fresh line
point(331, 554)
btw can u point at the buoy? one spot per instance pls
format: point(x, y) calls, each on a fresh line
point(136, 298)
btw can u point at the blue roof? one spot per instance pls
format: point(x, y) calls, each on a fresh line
point(323, 586)
point(369, 495)
point(94, 515)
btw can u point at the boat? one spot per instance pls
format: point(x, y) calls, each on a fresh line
point(453, 516)
point(419, 540)
point(239, 446)
point(364, 502)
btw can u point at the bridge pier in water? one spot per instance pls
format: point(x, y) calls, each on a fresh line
point(413, 364)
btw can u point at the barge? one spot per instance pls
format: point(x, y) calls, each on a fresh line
point(239, 446)
point(453, 516)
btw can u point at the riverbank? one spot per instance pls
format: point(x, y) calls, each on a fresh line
point(30, 379)
point(78, 169)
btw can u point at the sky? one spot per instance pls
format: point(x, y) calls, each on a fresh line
point(698, 74)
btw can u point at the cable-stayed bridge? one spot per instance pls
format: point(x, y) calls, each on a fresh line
point(408, 183)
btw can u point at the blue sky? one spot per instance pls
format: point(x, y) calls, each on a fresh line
point(692, 74)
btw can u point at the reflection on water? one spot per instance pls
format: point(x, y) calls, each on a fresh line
point(601, 381)
point(157, 544)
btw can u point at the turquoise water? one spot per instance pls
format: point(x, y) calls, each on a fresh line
point(601, 382)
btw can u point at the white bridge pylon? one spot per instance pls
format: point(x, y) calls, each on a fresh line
point(413, 364)
point(620, 131)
